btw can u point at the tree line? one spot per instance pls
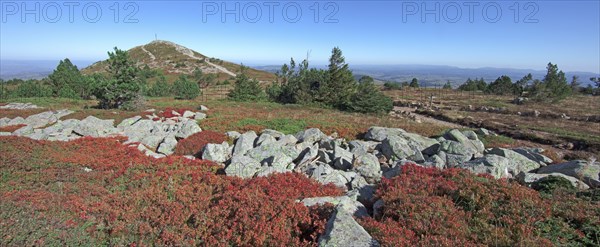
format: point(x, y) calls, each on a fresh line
point(334, 87)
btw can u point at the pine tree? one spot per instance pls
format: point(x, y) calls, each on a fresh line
point(123, 84)
point(341, 84)
point(66, 78)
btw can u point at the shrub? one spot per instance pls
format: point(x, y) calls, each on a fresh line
point(193, 145)
point(185, 88)
point(392, 86)
point(246, 89)
point(551, 183)
point(123, 84)
point(31, 88)
point(128, 198)
point(426, 206)
point(160, 88)
point(168, 112)
point(368, 99)
point(68, 92)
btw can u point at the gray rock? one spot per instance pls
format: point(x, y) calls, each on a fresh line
point(395, 148)
point(5, 133)
point(95, 127)
point(189, 114)
point(199, 116)
point(342, 158)
point(263, 152)
point(396, 168)
point(167, 147)
point(529, 178)
point(588, 173)
point(483, 132)
point(203, 108)
point(378, 207)
point(534, 155)
point(4, 121)
point(265, 139)
point(325, 156)
point(273, 133)
point(380, 133)
point(216, 152)
point(41, 119)
point(149, 152)
point(187, 128)
point(351, 206)
point(365, 191)
point(343, 230)
point(16, 121)
point(244, 143)
point(280, 161)
point(153, 140)
point(310, 135)
point(23, 131)
point(436, 161)
point(19, 106)
point(471, 142)
point(242, 166)
point(420, 143)
point(495, 165)
point(128, 122)
point(455, 152)
point(38, 134)
point(358, 147)
point(325, 174)
point(287, 140)
point(233, 135)
point(309, 155)
point(367, 165)
point(268, 170)
point(519, 163)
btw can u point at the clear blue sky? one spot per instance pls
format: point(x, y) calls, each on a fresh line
point(368, 32)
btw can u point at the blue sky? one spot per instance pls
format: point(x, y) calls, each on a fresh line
point(368, 32)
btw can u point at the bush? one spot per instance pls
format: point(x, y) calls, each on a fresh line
point(185, 88)
point(392, 86)
point(429, 207)
point(123, 84)
point(67, 92)
point(246, 89)
point(30, 89)
point(131, 199)
point(551, 183)
point(160, 88)
point(193, 145)
point(368, 99)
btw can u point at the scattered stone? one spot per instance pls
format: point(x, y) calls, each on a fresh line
point(588, 173)
point(187, 128)
point(518, 163)
point(535, 155)
point(529, 178)
point(380, 133)
point(188, 114)
point(351, 206)
point(203, 108)
point(273, 133)
point(310, 135)
point(495, 165)
point(242, 166)
point(367, 165)
point(216, 152)
point(95, 127)
point(233, 135)
point(199, 116)
point(19, 106)
point(167, 147)
point(244, 143)
point(342, 158)
point(343, 230)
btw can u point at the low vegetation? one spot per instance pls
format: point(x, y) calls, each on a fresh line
point(429, 207)
point(100, 192)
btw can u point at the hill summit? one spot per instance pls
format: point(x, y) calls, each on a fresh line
point(175, 59)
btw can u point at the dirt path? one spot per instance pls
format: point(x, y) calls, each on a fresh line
point(427, 119)
point(149, 53)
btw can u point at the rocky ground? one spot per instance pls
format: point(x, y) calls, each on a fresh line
point(354, 165)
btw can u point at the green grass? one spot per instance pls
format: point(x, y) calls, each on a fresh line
point(566, 133)
point(496, 141)
point(287, 126)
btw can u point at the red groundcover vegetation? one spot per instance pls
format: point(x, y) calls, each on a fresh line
point(100, 192)
point(193, 144)
point(429, 207)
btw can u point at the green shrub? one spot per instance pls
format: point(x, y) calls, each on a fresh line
point(68, 92)
point(368, 99)
point(185, 88)
point(246, 89)
point(31, 88)
point(123, 84)
point(551, 183)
